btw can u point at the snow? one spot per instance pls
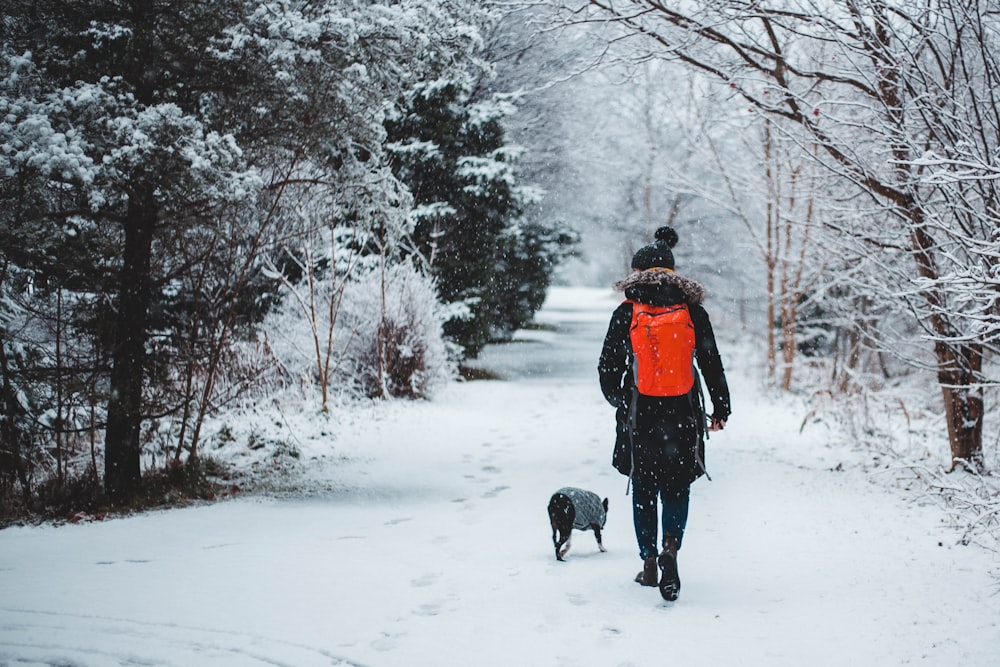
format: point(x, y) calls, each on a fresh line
point(421, 538)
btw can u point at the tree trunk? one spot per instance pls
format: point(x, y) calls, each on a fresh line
point(959, 364)
point(12, 463)
point(770, 255)
point(122, 439)
point(958, 370)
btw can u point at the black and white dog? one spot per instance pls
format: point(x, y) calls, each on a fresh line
point(571, 508)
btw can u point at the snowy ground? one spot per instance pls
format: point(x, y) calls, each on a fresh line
point(430, 546)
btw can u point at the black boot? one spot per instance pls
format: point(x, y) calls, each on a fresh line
point(647, 576)
point(670, 581)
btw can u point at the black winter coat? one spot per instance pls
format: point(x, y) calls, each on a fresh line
point(669, 431)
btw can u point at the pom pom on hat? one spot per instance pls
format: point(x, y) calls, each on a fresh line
point(668, 235)
point(657, 255)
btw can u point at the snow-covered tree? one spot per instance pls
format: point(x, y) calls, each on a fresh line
point(149, 139)
point(870, 90)
point(111, 147)
point(453, 155)
point(617, 148)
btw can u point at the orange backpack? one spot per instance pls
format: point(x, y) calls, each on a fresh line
point(663, 347)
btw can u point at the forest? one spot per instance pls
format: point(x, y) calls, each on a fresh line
point(209, 205)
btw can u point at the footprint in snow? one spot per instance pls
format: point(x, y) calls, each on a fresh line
point(432, 609)
point(396, 522)
point(427, 579)
point(387, 642)
point(127, 560)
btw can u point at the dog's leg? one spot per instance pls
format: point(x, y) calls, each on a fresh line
point(597, 534)
point(561, 516)
point(565, 548)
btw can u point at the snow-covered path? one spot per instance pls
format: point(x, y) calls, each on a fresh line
point(431, 547)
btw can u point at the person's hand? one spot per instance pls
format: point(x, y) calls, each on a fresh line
point(717, 424)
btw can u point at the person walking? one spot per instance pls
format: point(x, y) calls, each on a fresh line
point(661, 420)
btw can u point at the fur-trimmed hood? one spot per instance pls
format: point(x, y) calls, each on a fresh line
point(654, 285)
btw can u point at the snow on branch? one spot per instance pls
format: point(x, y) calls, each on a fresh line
point(970, 500)
point(943, 170)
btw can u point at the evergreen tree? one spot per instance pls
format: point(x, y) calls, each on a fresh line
point(116, 149)
point(530, 252)
point(148, 151)
point(454, 156)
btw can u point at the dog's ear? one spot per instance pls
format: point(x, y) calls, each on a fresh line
point(605, 503)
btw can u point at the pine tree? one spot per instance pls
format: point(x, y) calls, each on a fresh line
point(454, 156)
point(149, 149)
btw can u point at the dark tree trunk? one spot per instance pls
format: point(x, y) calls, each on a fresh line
point(12, 463)
point(122, 439)
point(959, 364)
point(959, 369)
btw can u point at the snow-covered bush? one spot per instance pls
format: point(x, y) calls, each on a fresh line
point(400, 349)
point(386, 339)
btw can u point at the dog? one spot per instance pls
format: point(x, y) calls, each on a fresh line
point(571, 508)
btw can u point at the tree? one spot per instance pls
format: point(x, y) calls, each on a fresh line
point(453, 155)
point(119, 130)
point(115, 84)
point(869, 89)
point(530, 251)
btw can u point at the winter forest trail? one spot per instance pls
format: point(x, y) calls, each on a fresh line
point(427, 543)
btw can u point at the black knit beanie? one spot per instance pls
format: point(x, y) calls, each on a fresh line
point(657, 254)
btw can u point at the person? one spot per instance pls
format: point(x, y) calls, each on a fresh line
point(660, 439)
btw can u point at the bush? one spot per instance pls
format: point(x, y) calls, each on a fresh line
point(399, 348)
point(387, 340)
